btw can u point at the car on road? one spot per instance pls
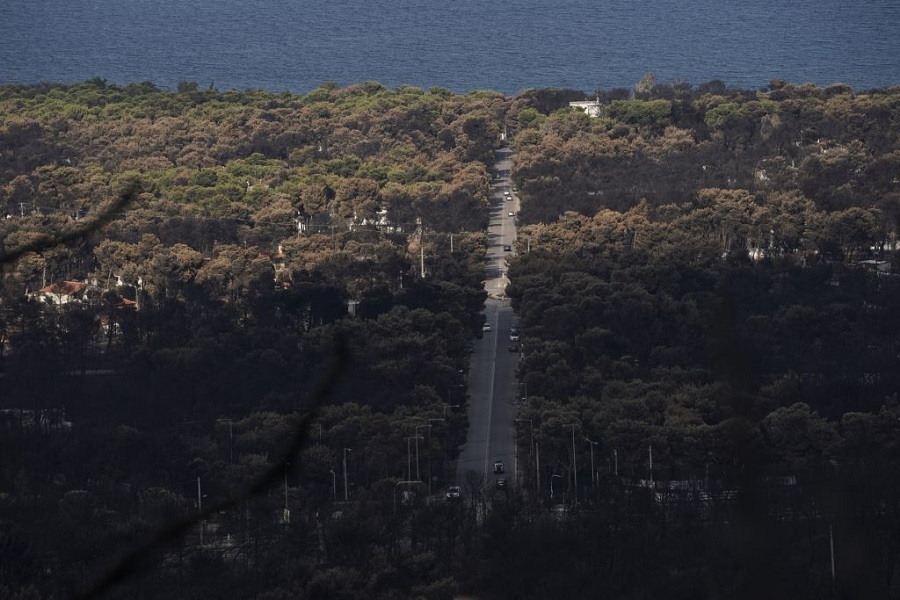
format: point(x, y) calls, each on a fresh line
point(514, 347)
point(454, 493)
point(514, 334)
point(507, 248)
point(500, 483)
point(510, 214)
point(486, 327)
point(498, 466)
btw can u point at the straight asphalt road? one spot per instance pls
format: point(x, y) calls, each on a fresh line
point(492, 371)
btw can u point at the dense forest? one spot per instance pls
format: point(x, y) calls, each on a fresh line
point(707, 275)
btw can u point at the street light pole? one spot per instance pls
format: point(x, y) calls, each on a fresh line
point(200, 509)
point(551, 484)
point(418, 437)
point(398, 484)
point(530, 424)
point(230, 439)
point(409, 457)
point(346, 495)
point(287, 512)
point(430, 477)
point(531, 449)
point(574, 464)
point(593, 475)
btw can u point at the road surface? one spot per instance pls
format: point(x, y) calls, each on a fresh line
point(492, 383)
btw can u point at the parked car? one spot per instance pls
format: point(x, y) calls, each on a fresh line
point(486, 327)
point(514, 347)
point(500, 483)
point(498, 466)
point(507, 248)
point(454, 493)
point(510, 214)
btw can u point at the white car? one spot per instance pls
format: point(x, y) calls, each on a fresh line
point(486, 327)
point(510, 214)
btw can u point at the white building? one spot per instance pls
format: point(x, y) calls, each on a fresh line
point(591, 107)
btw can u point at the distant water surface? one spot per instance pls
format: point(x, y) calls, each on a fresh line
point(503, 45)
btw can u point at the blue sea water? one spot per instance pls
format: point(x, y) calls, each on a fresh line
point(502, 45)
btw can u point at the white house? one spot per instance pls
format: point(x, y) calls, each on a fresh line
point(591, 107)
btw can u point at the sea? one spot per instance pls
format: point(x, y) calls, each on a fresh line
point(464, 45)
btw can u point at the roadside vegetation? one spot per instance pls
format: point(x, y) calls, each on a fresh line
point(707, 290)
point(706, 273)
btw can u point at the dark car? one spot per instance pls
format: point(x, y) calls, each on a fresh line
point(454, 493)
point(500, 483)
point(507, 248)
point(514, 347)
point(498, 467)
